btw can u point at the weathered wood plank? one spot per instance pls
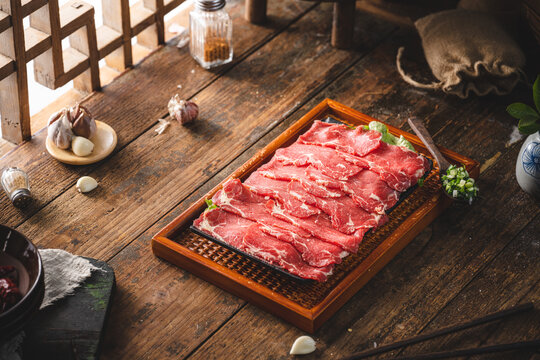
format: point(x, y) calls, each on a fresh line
point(153, 174)
point(382, 312)
point(511, 278)
point(409, 292)
point(126, 105)
point(339, 90)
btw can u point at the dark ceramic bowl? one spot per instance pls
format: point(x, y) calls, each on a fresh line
point(18, 251)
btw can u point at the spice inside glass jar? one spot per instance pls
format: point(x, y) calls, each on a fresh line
point(211, 33)
point(16, 185)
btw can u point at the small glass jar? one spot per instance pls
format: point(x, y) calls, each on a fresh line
point(210, 33)
point(17, 187)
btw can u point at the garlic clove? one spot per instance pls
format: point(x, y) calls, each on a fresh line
point(81, 146)
point(303, 345)
point(86, 184)
point(181, 110)
point(59, 130)
point(83, 123)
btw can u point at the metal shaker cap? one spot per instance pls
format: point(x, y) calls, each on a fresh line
point(210, 5)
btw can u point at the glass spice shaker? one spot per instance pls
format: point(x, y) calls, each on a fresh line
point(17, 187)
point(211, 33)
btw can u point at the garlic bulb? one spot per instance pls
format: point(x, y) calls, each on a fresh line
point(86, 184)
point(81, 146)
point(182, 110)
point(303, 345)
point(82, 122)
point(59, 130)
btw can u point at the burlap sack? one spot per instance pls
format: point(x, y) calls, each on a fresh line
point(467, 51)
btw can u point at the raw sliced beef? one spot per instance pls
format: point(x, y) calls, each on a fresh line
point(329, 161)
point(277, 170)
point(366, 189)
point(278, 190)
point(345, 215)
point(358, 142)
point(282, 254)
point(247, 236)
point(400, 168)
point(320, 226)
point(315, 252)
point(236, 198)
point(224, 226)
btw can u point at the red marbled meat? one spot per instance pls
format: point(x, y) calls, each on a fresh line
point(282, 254)
point(321, 227)
point(331, 162)
point(337, 136)
point(400, 168)
point(345, 215)
point(248, 237)
point(366, 189)
point(277, 170)
point(238, 199)
point(224, 226)
point(278, 190)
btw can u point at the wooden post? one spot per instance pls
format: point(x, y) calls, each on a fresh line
point(49, 65)
point(343, 24)
point(116, 15)
point(84, 40)
point(255, 11)
point(154, 35)
point(14, 103)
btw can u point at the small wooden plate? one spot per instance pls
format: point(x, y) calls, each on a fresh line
point(104, 140)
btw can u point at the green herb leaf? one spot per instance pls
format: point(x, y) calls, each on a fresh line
point(520, 110)
point(210, 204)
point(536, 93)
point(421, 182)
point(351, 126)
point(528, 125)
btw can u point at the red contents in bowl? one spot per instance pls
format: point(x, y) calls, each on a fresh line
point(9, 289)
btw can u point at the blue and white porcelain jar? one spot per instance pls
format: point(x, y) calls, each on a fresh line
point(528, 165)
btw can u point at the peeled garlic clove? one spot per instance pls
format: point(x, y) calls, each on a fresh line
point(59, 130)
point(82, 121)
point(81, 146)
point(181, 110)
point(86, 184)
point(303, 345)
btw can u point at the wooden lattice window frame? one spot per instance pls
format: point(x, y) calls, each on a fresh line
point(53, 66)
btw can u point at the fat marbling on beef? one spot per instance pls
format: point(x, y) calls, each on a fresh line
point(238, 199)
point(340, 137)
point(246, 235)
point(366, 188)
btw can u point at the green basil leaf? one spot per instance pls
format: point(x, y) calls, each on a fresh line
point(520, 111)
point(210, 204)
point(536, 93)
point(529, 125)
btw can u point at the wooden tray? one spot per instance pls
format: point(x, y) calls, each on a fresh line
point(305, 305)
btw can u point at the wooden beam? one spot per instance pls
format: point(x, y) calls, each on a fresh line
point(14, 106)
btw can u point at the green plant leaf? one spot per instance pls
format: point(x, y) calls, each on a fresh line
point(536, 93)
point(520, 111)
point(210, 205)
point(528, 125)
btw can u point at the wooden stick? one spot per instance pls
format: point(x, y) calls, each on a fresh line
point(343, 24)
point(531, 344)
point(444, 331)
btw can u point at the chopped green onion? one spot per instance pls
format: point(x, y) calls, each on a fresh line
point(458, 184)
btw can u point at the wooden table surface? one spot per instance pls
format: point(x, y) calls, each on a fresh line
point(469, 262)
